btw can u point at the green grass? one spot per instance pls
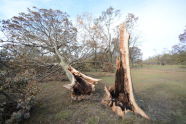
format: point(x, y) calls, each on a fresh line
point(63, 115)
point(93, 120)
point(160, 91)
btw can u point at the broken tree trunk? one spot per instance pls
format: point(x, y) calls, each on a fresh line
point(120, 97)
point(81, 85)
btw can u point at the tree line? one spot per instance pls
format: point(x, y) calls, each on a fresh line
point(177, 55)
point(90, 42)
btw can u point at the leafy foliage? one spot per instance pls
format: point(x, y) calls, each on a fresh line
point(17, 92)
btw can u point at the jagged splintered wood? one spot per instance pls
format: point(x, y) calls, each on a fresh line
point(81, 85)
point(120, 97)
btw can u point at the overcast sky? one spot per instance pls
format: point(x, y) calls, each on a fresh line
point(160, 21)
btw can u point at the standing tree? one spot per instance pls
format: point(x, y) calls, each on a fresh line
point(135, 55)
point(182, 37)
point(101, 36)
point(179, 50)
point(105, 22)
point(51, 32)
point(135, 52)
point(181, 47)
point(89, 34)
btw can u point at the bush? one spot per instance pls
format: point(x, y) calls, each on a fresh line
point(16, 96)
point(108, 67)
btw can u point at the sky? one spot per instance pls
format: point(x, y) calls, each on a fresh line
point(160, 21)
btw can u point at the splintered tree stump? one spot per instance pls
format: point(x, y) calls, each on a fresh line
point(82, 86)
point(120, 97)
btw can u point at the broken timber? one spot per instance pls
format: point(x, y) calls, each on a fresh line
point(121, 98)
point(83, 85)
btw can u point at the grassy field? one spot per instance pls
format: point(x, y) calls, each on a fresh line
point(160, 91)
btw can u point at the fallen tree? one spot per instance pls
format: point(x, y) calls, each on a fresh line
point(43, 32)
point(120, 97)
point(81, 85)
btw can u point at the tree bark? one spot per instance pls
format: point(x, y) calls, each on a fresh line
point(81, 85)
point(120, 97)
